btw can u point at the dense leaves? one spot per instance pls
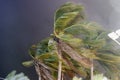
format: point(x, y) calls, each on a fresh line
point(78, 45)
point(67, 15)
point(14, 76)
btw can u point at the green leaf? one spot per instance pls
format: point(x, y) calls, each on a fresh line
point(14, 76)
point(40, 48)
point(76, 78)
point(100, 77)
point(28, 63)
point(11, 74)
point(66, 16)
point(69, 7)
point(71, 40)
point(110, 63)
point(65, 21)
point(109, 57)
point(84, 30)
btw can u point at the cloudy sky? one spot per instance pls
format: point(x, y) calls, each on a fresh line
point(115, 15)
point(26, 22)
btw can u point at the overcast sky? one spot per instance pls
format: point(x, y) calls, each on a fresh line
point(115, 15)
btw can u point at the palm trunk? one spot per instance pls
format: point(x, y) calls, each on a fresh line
point(60, 63)
point(59, 70)
point(92, 69)
point(38, 71)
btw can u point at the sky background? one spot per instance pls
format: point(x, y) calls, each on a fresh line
point(26, 22)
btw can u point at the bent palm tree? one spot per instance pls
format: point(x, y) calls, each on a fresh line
point(75, 47)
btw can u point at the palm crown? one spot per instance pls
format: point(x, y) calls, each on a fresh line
point(75, 47)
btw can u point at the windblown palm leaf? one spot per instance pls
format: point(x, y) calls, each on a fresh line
point(92, 40)
point(75, 42)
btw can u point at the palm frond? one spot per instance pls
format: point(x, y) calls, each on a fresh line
point(82, 44)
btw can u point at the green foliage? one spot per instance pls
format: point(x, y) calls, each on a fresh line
point(79, 42)
point(76, 78)
point(28, 63)
point(67, 15)
point(14, 76)
point(100, 77)
point(96, 77)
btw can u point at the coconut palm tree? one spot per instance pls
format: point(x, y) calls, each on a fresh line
point(77, 47)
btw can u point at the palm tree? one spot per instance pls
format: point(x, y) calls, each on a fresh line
point(76, 48)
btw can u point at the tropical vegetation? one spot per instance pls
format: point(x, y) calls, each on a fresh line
point(77, 48)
